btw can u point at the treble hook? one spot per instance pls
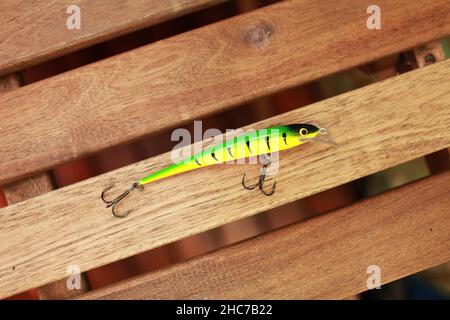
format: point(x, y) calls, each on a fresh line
point(262, 178)
point(114, 202)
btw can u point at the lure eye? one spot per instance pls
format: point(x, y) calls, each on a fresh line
point(303, 131)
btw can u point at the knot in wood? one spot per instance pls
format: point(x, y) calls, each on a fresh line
point(258, 35)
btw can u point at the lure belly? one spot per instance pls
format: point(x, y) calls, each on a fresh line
point(250, 144)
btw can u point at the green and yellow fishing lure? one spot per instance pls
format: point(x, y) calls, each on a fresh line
point(262, 142)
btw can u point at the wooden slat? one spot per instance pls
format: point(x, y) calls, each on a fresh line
point(36, 32)
point(32, 187)
point(198, 73)
point(8, 83)
point(27, 188)
point(402, 231)
point(376, 127)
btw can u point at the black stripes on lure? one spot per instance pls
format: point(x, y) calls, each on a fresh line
point(247, 142)
point(285, 138)
point(229, 152)
point(268, 142)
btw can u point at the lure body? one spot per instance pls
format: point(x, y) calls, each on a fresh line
point(250, 144)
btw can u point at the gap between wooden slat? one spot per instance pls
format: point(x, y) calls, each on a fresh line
point(376, 127)
point(198, 73)
point(27, 40)
point(403, 231)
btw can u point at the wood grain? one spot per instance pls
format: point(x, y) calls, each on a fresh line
point(9, 82)
point(197, 73)
point(403, 231)
point(27, 188)
point(32, 187)
point(376, 127)
point(33, 32)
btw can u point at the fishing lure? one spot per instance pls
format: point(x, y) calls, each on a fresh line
point(262, 142)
